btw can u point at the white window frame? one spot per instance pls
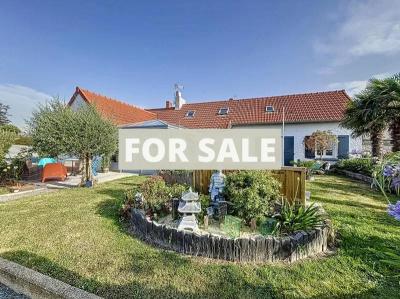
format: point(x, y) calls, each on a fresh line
point(325, 156)
point(190, 111)
point(223, 108)
point(269, 111)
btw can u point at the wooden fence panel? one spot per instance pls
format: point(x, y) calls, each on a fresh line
point(292, 179)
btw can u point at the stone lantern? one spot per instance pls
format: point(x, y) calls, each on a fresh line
point(189, 206)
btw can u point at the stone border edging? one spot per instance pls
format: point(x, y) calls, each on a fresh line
point(257, 249)
point(37, 285)
point(17, 195)
point(357, 176)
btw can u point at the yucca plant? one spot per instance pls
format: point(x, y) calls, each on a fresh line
point(295, 217)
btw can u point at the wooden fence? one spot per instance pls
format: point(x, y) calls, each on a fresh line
point(292, 179)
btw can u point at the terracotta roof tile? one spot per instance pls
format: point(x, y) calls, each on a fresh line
point(326, 106)
point(119, 112)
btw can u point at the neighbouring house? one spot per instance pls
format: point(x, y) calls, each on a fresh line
point(119, 112)
point(299, 115)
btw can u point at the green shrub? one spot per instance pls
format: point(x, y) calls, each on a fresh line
point(305, 163)
point(156, 195)
point(359, 165)
point(251, 193)
point(176, 190)
point(23, 140)
point(205, 203)
point(292, 218)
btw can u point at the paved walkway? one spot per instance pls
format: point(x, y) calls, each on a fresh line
point(7, 293)
point(74, 181)
point(70, 182)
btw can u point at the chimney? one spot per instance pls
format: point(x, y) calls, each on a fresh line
point(168, 104)
point(179, 101)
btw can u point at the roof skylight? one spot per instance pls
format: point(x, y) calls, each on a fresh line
point(190, 113)
point(223, 111)
point(269, 109)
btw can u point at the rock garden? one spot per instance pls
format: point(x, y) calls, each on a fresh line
point(244, 218)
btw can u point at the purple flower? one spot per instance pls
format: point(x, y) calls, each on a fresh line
point(394, 210)
point(396, 183)
point(397, 169)
point(389, 171)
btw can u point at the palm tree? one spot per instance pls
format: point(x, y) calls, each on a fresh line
point(387, 96)
point(364, 117)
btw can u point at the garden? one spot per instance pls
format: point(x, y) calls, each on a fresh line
point(12, 167)
point(244, 218)
point(77, 235)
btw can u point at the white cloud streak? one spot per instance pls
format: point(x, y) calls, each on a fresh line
point(22, 101)
point(369, 27)
point(356, 86)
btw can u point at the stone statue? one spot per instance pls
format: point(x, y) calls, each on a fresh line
point(189, 206)
point(217, 184)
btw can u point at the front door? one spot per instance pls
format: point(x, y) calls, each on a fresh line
point(288, 150)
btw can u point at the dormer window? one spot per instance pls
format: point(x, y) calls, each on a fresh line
point(223, 111)
point(269, 109)
point(190, 113)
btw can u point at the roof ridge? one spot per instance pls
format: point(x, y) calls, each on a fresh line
point(294, 94)
point(256, 98)
point(115, 100)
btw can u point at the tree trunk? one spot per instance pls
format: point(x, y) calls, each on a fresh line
point(87, 174)
point(394, 129)
point(376, 143)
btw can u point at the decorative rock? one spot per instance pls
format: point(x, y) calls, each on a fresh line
point(256, 249)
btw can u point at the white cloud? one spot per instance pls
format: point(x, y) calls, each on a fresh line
point(22, 101)
point(354, 87)
point(369, 27)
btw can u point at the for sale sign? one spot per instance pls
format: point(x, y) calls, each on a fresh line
point(200, 149)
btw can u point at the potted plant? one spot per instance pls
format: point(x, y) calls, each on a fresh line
point(105, 163)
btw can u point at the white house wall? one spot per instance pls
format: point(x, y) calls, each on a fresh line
point(299, 131)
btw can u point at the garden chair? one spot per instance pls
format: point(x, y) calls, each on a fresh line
point(31, 170)
point(54, 171)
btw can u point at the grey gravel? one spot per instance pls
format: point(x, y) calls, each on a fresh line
point(7, 293)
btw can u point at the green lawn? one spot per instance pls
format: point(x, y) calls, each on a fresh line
point(74, 235)
point(4, 190)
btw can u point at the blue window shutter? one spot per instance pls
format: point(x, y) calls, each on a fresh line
point(308, 153)
point(343, 146)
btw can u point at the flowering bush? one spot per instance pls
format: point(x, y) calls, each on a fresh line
point(387, 178)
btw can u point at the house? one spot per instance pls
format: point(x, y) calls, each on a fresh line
point(298, 115)
point(119, 112)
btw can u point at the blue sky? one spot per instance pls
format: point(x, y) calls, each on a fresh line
point(136, 50)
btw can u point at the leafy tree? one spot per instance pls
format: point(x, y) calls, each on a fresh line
point(51, 129)
point(6, 140)
point(57, 130)
point(11, 128)
point(364, 116)
point(320, 141)
point(4, 114)
point(93, 136)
